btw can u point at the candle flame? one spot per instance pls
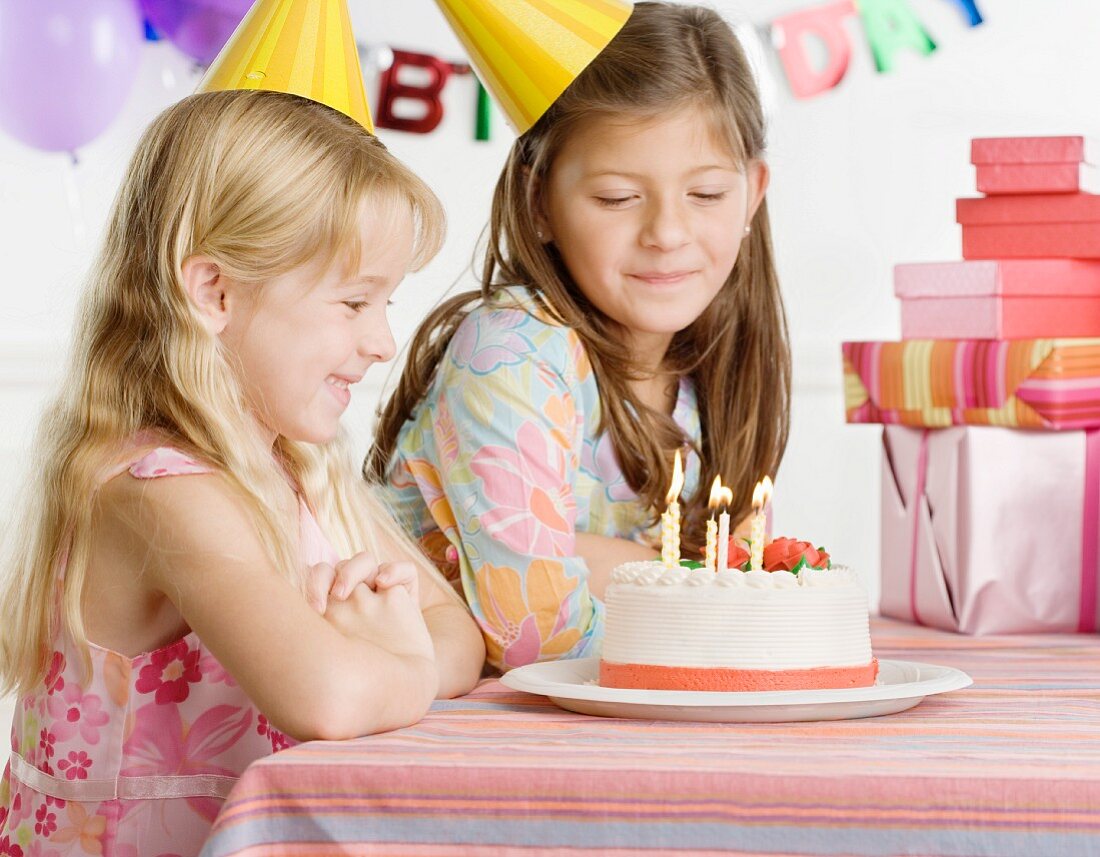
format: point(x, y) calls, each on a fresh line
point(715, 493)
point(720, 495)
point(762, 493)
point(677, 480)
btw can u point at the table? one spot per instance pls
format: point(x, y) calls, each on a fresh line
point(1009, 766)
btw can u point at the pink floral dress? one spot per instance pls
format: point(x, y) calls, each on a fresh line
point(137, 760)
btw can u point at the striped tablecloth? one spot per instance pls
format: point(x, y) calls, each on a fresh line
point(1009, 766)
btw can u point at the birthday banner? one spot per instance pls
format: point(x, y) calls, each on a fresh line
point(65, 75)
point(889, 26)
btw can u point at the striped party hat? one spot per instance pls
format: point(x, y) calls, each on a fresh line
point(527, 52)
point(304, 47)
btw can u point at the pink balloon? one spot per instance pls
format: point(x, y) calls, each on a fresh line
point(199, 28)
point(66, 67)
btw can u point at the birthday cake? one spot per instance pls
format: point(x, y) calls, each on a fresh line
point(800, 625)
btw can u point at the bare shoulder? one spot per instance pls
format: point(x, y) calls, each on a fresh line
point(155, 543)
point(190, 524)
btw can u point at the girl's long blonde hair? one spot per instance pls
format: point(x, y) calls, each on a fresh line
point(737, 353)
point(262, 183)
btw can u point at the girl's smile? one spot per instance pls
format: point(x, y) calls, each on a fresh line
point(340, 389)
point(303, 339)
point(662, 278)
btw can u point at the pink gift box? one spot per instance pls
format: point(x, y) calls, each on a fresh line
point(999, 299)
point(991, 530)
point(1022, 165)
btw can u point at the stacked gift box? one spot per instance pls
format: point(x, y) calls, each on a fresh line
point(991, 404)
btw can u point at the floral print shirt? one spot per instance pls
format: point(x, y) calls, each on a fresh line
point(502, 464)
point(136, 759)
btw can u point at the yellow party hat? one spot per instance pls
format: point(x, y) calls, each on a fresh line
point(527, 52)
point(304, 47)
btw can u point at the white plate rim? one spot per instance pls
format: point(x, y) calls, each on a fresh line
point(532, 679)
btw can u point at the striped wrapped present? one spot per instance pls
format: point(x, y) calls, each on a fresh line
point(1025, 383)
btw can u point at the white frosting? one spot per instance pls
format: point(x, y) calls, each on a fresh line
point(743, 620)
point(651, 571)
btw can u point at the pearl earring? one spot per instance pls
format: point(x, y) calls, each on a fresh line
point(538, 232)
point(748, 229)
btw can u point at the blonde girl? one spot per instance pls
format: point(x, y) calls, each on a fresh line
point(629, 308)
point(203, 580)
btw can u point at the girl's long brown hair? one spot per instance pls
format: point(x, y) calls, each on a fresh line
point(737, 352)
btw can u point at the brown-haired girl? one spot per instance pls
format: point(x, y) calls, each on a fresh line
point(629, 307)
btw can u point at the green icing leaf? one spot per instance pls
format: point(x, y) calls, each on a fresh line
point(691, 563)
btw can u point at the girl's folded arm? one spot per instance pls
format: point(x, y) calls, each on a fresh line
point(456, 639)
point(309, 675)
point(459, 646)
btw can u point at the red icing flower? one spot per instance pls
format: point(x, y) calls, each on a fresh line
point(738, 555)
point(790, 555)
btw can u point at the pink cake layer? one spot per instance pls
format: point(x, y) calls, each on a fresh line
point(650, 677)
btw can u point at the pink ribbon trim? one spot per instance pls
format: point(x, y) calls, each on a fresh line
point(124, 788)
point(914, 542)
point(1090, 547)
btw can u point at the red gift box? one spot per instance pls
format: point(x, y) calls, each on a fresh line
point(1028, 208)
point(999, 299)
point(1037, 178)
point(1031, 241)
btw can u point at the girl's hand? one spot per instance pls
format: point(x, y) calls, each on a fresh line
point(390, 618)
point(393, 574)
point(325, 582)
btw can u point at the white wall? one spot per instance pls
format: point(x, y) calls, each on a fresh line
point(863, 177)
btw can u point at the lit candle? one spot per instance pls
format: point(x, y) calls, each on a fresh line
point(670, 520)
point(724, 500)
point(710, 556)
point(761, 494)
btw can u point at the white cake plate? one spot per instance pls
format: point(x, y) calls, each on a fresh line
point(571, 684)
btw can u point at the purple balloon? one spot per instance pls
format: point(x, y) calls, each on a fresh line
point(66, 67)
point(199, 28)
